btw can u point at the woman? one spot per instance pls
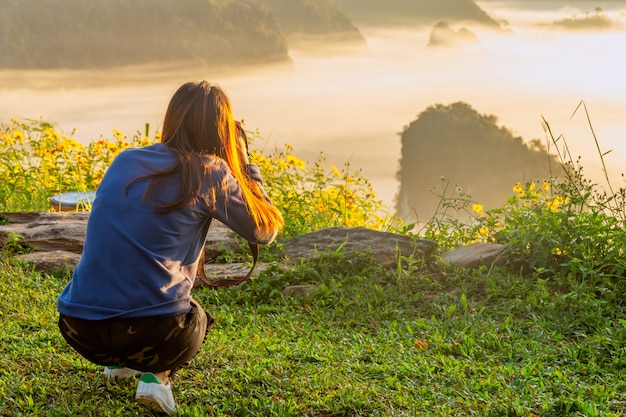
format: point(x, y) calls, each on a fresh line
point(128, 306)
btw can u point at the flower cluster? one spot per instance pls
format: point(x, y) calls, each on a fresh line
point(315, 196)
point(529, 195)
point(37, 161)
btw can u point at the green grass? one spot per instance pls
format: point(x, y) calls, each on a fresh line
point(369, 342)
point(543, 335)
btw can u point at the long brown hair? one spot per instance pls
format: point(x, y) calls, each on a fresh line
point(199, 121)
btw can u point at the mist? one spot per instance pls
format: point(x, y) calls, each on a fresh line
point(352, 104)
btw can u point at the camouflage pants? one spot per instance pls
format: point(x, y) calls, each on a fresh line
point(148, 344)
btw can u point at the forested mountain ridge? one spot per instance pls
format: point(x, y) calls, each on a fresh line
point(565, 2)
point(106, 33)
point(469, 151)
point(312, 17)
point(411, 12)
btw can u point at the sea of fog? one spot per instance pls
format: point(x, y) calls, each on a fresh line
point(352, 105)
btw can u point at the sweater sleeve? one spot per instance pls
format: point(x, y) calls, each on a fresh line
point(230, 207)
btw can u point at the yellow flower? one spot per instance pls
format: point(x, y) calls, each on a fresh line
point(54, 135)
point(8, 139)
point(296, 162)
point(73, 144)
point(556, 202)
point(282, 164)
point(519, 189)
point(335, 171)
point(145, 141)
point(18, 135)
point(111, 147)
point(546, 186)
point(477, 208)
point(118, 134)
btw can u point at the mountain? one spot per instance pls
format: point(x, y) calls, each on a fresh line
point(411, 12)
point(317, 18)
point(561, 2)
point(474, 155)
point(107, 33)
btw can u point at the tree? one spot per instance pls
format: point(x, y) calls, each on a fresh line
point(455, 146)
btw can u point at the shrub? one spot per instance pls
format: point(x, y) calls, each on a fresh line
point(569, 227)
point(313, 196)
point(38, 162)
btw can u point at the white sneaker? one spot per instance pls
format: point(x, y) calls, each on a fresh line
point(119, 372)
point(155, 396)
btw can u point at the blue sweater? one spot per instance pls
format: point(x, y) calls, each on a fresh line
point(138, 263)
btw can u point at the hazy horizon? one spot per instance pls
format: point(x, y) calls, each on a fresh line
point(352, 106)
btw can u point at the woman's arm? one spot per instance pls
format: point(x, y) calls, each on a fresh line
point(230, 208)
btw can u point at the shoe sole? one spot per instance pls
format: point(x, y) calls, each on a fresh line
point(153, 404)
point(121, 373)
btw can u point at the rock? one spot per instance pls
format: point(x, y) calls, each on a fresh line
point(52, 231)
point(58, 239)
point(219, 240)
point(51, 261)
point(232, 270)
point(384, 246)
point(43, 216)
point(48, 234)
point(443, 35)
point(475, 255)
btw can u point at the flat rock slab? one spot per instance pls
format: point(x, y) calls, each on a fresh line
point(51, 261)
point(65, 231)
point(44, 216)
point(47, 231)
point(382, 245)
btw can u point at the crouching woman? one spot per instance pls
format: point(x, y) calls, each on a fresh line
point(128, 306)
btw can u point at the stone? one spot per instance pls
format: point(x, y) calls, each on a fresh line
point(52, 231)
point(443, 35)
point(475, 255)
point(45, 235)
point(51, 261)
point(58, 238)
point(43, 216)
point(220, 239)
point(231, 270)
point(385, 247)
